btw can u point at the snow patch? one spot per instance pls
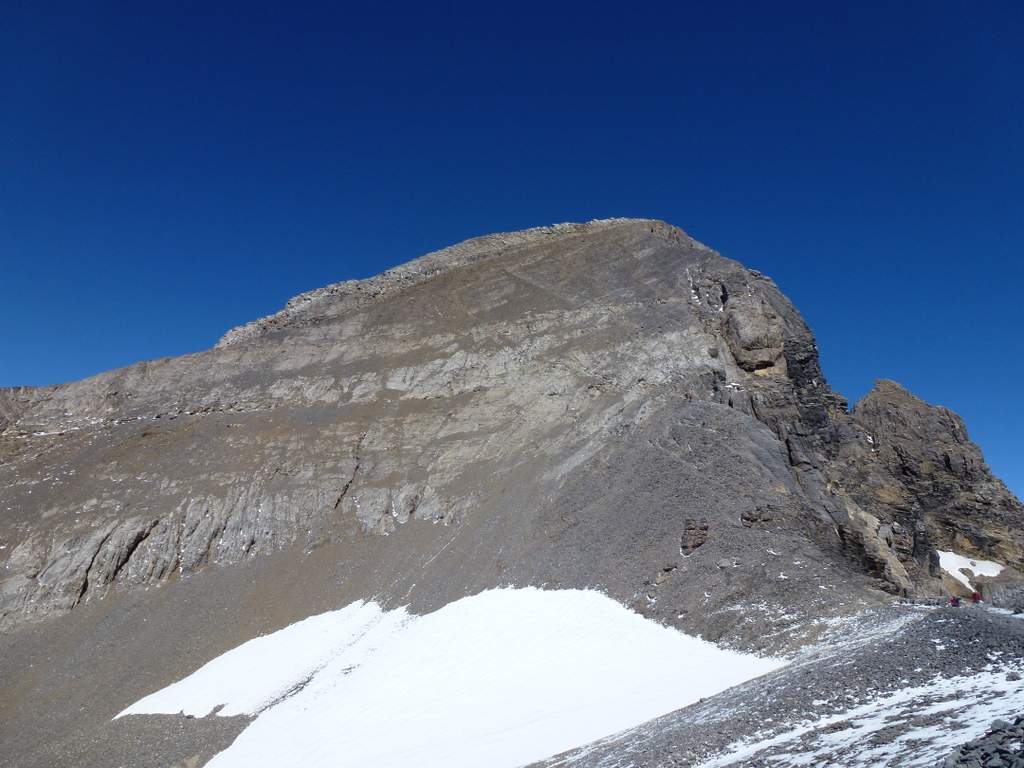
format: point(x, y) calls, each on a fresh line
point(502, 678)
point(955, 564)
point(918, 725)
point(260, 672)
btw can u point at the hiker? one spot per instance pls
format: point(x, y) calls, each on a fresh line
point(976, 597)
point(954, 601)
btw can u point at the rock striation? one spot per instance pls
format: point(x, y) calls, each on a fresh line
point(608, 404)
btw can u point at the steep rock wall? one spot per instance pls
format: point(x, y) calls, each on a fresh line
point(609, 404)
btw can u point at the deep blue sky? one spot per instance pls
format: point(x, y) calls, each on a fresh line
point(165, 175)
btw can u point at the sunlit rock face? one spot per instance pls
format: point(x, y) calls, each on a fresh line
point(608, 405)
point(921, 474)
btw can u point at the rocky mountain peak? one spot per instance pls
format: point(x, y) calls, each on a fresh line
point(609, 403)
point(608, 406)
point(923, 473)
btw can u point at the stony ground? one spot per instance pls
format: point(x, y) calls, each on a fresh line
point(959, 666)
point(1001, 747)
point(898, 687)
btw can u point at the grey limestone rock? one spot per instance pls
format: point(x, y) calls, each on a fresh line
point(607, 405)
point(607, 396)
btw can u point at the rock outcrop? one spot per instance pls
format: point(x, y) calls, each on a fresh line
point(606, 404)
point(14, 401)
point(1001, 747)
point(921, 475)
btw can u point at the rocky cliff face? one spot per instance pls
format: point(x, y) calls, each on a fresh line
point(917, 471)
point(609, 404)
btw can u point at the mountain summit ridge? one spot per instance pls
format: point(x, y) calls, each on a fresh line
point(422, 268)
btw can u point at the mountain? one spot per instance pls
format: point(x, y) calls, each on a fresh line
point(607, 406)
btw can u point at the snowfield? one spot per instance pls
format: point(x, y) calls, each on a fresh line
point(502, 678)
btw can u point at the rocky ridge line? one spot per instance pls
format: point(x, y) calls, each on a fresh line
point(351, 294)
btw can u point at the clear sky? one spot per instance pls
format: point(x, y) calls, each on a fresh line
point(165, 175)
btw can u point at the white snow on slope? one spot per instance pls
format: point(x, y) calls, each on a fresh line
point(915, 726)
point(502, 678)
point(264, 670)
point(952, 563)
